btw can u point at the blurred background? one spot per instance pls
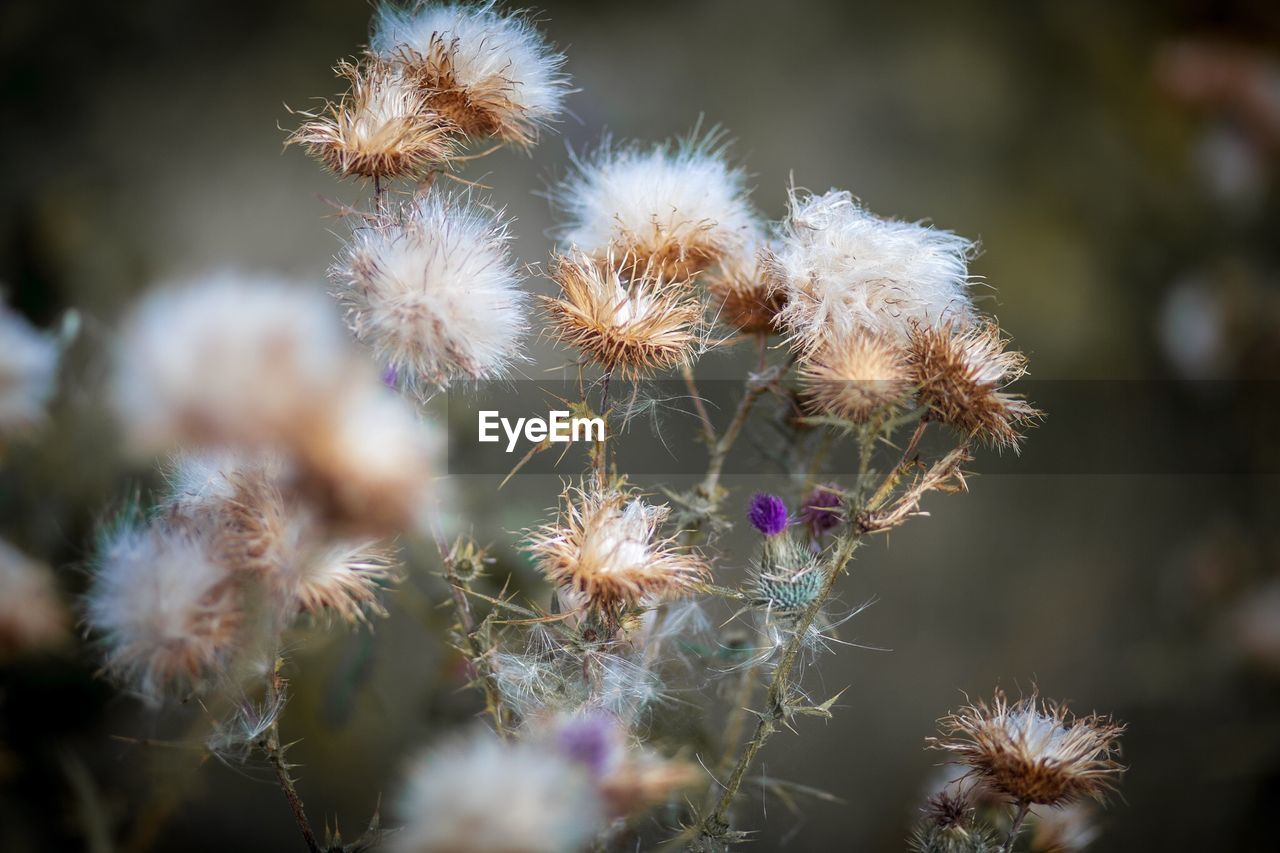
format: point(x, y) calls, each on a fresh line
point(1118, 163)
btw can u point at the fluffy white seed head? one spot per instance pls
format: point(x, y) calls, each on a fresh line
point(842, 269)
point(228, 358)
point(485, 796)
point(679, 205)
point(491, 72)
point(168, 612)
point(28, 368)
point(435, 292)
point(31, 613)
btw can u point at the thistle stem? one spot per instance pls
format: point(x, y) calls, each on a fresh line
point(715, 824)
point(269, 743)
point(1018, 817)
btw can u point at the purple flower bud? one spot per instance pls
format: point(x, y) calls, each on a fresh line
point(821, 511)
point(590, 740)
point(768, 514)
point(390, 378)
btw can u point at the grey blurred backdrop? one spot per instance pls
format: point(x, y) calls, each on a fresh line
point(1117, 162)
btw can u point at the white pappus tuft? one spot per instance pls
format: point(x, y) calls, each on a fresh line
point(490, 72)
point(845, 271)
point(678, 206)
point(435, 292)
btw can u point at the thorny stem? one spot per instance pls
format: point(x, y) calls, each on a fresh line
point(704, 418)
point(1019, 816)
point(270, 746)
point(716, 823)
point(710, 486)
point(599, 456)
point(466, 620)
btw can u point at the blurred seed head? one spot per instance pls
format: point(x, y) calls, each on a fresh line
point(676, 208)
point(435, 292)
point(962, 375)
point(230, 358)
point(845, 272)
point(383, 127)
point(646, 325)
point(856, 378)
point(168, 612)
point(482, 795)
point(605, 546)
point(1067, 829)
point(28, 371)
point(32, 615)
point(490, 72)
point(1034, 751)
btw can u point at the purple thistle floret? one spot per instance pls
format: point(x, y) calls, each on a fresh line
point(768, 514)
point(590, 740)
point(821, 511)
point(390, 378)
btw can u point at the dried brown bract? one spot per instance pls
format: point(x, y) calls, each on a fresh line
point(856, 378)
point(742, 296)
point(962, 374)
point(1034, 751)
point(631, 327)
point(383, 127)
point(605, 546)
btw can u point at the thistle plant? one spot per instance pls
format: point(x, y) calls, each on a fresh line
point(299, 450)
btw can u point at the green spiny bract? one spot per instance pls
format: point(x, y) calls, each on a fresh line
point(950, 826)
point(787, 578)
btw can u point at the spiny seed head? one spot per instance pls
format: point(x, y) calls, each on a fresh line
point(632, 327)
point(491, 73)
point(962, 375)
point(435, 292)
point(382, 127)
point(787, 578)
point(845, 271)
point(856, 378)
point(741, 295)
point(677, 208)
point(1034, 751)
point(605, 546)
point(469, 560)
point(950, 826)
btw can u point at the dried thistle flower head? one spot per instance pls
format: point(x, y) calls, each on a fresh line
point(382, 127)
point(482, 795)
point(168, 611)
point(605, 547)
point(677, 207)
point(370, 462)
point(28, 368)
point(845, 272)
point(242, 359)
point(645, 325)
point(435, 292)
point(962, 376)
point(1034, 751)
point(630, 779)
point(856, 377)
point(491, 73)
point(32, 616)
point(741, 293)
point(239, 502)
